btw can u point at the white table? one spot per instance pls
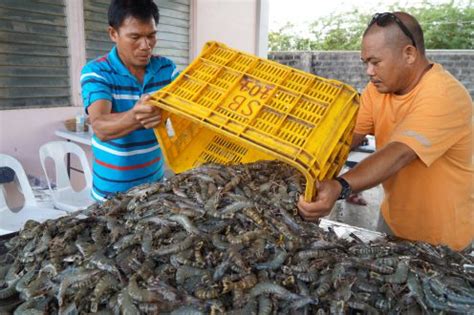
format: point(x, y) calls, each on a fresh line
point(79, 137)
point(84, 137)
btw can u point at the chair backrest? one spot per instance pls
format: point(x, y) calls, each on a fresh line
point(25, 187)
point(57, 150)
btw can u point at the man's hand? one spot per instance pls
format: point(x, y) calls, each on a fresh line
point(327, 193)
point(147, 115)
point(356, 199)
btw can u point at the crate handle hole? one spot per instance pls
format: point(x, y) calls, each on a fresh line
point(169, 129)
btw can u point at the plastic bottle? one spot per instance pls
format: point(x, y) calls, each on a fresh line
point(80, 121)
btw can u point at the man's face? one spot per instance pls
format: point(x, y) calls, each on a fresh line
point(384, 62)
point(135, 41)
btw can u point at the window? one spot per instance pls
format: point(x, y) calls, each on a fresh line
point(33, 54)
point(173, 29)
point(35, 60)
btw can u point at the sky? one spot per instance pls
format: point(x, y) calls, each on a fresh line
point(301, 12)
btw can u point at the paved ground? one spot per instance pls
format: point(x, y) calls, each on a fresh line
point(361, 216)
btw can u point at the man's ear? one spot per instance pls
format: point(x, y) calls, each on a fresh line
point(113, 34)
point(410, 53)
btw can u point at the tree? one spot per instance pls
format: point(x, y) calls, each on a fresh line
point(282, 40)
point(445, 26)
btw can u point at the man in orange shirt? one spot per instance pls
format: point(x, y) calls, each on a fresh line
point(421, 118)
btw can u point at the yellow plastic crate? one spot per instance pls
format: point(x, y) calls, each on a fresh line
point(229, 106)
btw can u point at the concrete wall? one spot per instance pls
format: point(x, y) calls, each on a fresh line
point(346, 66)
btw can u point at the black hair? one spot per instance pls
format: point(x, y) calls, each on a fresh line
point(142, 10)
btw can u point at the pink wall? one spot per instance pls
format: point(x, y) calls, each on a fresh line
point(22, 132)
point(233, 22)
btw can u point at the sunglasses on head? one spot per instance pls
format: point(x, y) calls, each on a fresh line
point(386, 18)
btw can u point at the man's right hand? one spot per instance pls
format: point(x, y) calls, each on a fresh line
point(149, 116)
point(327, 193)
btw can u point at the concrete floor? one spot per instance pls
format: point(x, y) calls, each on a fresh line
point(361, 216)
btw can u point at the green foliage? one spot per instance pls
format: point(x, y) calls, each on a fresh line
point(445, 26)
point(281, 40)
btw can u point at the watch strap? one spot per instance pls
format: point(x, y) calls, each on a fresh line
point(346, 188)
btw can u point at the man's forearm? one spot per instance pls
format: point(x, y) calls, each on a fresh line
point(114, 125)
point(379, 166)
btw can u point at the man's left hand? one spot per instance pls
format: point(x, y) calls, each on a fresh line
point(356, 199)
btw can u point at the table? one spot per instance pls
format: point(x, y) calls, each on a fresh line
point(84, 137)
point(79, 137)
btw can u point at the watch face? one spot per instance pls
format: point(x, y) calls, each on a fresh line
point(345, 192)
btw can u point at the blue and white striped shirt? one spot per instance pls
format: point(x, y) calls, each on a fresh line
point(136, 158)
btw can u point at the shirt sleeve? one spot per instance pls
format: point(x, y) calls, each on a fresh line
point(94, 86)
point(365, 120)
point(175, 73)
point(435, 124)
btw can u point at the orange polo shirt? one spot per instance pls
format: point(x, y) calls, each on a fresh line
point(432, 198)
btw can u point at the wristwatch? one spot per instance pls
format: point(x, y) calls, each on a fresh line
point(346, 188)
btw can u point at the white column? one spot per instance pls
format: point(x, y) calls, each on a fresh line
point(77, 46)
point(193, 49)
point(261, 44)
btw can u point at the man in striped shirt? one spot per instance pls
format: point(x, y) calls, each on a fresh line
point(115, 90)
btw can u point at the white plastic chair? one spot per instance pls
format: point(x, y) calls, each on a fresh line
point(64, 196)
point(13, 221)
